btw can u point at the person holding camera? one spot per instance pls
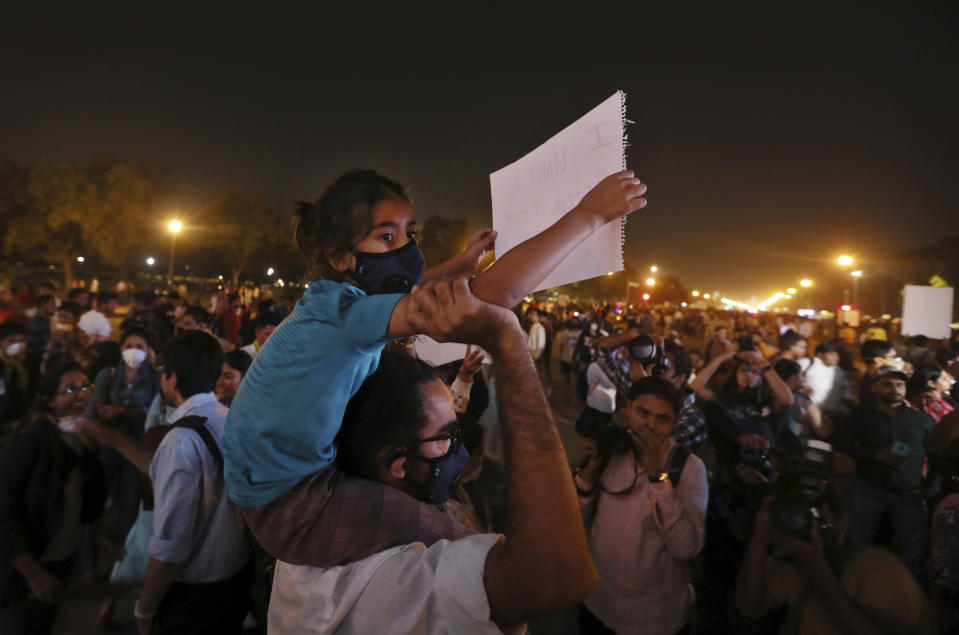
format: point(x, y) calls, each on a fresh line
point(646, 505)
point(829, 582)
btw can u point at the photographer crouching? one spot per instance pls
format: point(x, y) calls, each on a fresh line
point(829, 582)
point(644, 499)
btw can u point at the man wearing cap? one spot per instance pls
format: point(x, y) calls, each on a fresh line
point(887, 439)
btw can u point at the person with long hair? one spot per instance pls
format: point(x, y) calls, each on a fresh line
point(51, 486)
point(926, 389)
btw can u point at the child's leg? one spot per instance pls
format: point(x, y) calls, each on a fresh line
point(330, 519)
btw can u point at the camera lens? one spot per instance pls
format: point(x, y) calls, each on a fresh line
point(642, 348)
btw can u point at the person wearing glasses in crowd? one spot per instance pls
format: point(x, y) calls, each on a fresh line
point(51, 486)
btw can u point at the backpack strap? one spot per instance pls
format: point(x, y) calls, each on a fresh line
point(677, 461)
point(196, 423)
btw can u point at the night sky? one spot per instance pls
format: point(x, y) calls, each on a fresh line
point(770, 145)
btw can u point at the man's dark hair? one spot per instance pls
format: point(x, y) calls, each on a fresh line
point(682, 362)
point(658, 387)
point(105, 296)
point(9, 328)
point(387, 411)
point(789, 339)
point(138, 331)
point(233, 296)
point(199, 314)
point(73, 294)
point(71, 307)
point(787, 368)
point(874, 348)
point(44, 299)
point(945, 358)
point(238, 360)
point(919, 382)
point(826, 347)
point(918, 340)
point(269, 318)
point(340, 218)
point(196, 358)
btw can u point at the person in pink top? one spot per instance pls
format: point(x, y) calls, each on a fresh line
point(646, 510)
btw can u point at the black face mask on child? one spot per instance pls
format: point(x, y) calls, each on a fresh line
point(395, 271)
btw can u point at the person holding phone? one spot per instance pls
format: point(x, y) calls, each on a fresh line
point(888, 441)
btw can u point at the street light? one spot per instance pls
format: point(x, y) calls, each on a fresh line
point(695, 294)
point(269, 271)
point(706, 296)
point(650, 282)
point(844, 261)
point(175, 227)
point(151, 261)
point(805, 283)
point(654, 268)
point(80, 258)
point(791, 291)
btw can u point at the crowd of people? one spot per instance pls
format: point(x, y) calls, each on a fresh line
point(301, 469)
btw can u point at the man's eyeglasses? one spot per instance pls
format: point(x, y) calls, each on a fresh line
point(72, 390)
point(453, 436)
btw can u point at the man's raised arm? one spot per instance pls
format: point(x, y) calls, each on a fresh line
point(544, 563)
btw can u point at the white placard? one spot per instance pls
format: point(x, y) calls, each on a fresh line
point(439, 353)
point(534, 192)
point(927, 311)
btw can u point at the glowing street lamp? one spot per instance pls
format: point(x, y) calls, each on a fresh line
point(844, 261)
point(175, 227)
point(805, 283)
point(269, 271)
point(650, 282)
point(80, 258)
point(791, 291)
point(151, 261)
point(646, 296)
point(654, 268)
point(695, 294)
point(706, 296)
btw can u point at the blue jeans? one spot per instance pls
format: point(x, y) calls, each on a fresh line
point(907, 513)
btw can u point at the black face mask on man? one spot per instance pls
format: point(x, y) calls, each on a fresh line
point(445, 474)
point(395, 271)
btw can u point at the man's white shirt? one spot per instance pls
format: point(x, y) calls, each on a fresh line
point(406, 589)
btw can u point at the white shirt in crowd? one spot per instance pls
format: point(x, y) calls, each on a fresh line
point(828, 385)
point(193, 519)
point(94, 323)
point(536, 340)
point(407, 589)
point(602, 391)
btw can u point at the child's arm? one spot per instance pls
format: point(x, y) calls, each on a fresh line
point(521, 269)
point(479, 243)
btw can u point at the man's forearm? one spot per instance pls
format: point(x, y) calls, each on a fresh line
point(752, 597)
point(132, 450)
point(160, 575)
point(544, 562)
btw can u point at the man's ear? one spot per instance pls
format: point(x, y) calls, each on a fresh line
point(339, 258)
point(397, 468)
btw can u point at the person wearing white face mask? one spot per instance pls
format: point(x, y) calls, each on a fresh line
point(121, 396)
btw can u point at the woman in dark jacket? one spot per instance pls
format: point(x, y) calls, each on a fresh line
point(51, 485)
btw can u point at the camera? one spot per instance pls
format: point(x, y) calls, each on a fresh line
point(799, 506)
point(757, 460)
point(745, 343)
point(610, 438)
point(644, 349)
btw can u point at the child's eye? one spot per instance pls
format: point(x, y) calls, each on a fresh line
point(413, 234)
point(387, 237)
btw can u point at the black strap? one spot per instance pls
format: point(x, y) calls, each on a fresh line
point(677, 461)
point(196, 423)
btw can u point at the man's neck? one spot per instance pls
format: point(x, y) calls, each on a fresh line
point(890, 409)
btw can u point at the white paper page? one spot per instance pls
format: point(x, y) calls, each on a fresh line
point(927, 311)
point(439, 353)
point(534, 192)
